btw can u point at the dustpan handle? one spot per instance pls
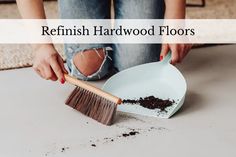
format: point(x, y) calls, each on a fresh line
point(167, 58)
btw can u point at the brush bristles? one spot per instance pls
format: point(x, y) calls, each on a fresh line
point(92, 105)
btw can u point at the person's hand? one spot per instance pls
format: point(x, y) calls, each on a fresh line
point(178, 51)
point(48, 63)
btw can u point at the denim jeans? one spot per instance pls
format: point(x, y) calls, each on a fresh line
point(117, 56)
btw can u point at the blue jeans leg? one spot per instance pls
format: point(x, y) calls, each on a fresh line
point(128, 55)
point(124, 55)
point(86, 9)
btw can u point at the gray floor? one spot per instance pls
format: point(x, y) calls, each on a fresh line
point(35, 122)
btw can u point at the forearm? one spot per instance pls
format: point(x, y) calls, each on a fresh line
point(175, 9)
point(31, 9)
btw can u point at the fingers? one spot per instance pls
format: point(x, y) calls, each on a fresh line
point(185, 51)
point(52, 70)
point(164, 51)
point(61, 62)
point(45, 72)
point(49, 74)
point(48, 63)
point(39, 72)
point(175, 56)
point(57, 69)
point(188, 48)
point(179, 52)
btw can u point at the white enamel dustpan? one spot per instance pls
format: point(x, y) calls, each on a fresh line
point(160, 79)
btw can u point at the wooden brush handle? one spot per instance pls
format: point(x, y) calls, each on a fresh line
point(92, 89)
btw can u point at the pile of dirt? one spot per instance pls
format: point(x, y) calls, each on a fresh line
point(151, 102)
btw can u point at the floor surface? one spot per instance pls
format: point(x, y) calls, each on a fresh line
point(35, 122)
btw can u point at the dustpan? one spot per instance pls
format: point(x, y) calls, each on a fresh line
point(159, 79)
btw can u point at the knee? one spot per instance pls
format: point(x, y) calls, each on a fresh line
point(90, 64)
point(89, 61)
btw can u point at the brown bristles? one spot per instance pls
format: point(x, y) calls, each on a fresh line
point(92, 105)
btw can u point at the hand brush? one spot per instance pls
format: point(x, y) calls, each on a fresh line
point(92, 101)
